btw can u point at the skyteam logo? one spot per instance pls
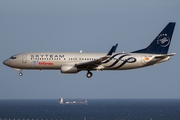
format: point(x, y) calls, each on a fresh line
point(35, 62)
point(119, 60)
point(163, 40)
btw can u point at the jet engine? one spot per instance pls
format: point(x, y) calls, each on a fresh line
point(69, 69)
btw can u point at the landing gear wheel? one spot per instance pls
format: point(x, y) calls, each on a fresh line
point(20, 74)
point(89, 74)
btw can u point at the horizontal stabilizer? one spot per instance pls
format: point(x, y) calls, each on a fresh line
point(165, 55)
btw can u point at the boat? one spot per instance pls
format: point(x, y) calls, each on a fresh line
point(68, 101)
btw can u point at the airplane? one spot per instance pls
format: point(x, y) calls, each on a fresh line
point(71, 62)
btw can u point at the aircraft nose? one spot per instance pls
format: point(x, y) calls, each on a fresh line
point(6, 62)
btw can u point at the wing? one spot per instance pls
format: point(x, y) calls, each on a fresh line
point(95, 63)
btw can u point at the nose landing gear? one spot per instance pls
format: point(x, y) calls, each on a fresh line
point(89, 74)
point(20, 71)
point(20, 74)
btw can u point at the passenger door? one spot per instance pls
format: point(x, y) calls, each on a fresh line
point(24, 58)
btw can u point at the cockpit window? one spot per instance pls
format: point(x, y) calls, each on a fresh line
point(12, 57)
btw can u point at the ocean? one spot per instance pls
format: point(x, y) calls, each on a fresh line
point(96, 109)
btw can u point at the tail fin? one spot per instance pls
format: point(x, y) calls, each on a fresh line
point(161, 43)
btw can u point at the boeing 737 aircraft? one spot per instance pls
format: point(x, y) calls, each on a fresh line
point(69, 62)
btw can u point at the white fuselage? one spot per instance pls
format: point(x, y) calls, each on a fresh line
point(54, 60)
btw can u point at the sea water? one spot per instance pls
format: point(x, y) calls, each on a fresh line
point(96, 109)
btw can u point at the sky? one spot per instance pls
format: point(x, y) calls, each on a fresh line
point(90, 26)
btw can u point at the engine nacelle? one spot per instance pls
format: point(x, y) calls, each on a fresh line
point(69, 69)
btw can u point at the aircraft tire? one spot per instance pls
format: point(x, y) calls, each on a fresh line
point(20, 74)
point(89, 74)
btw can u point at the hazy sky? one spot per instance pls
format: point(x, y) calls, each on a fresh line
point(91, 26)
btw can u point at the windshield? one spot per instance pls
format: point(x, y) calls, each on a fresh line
point(12, 57)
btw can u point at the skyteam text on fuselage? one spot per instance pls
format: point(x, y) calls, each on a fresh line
point(69, 62)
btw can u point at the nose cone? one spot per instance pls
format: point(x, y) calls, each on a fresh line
point(6, 62)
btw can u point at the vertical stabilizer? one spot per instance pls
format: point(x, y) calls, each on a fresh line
point(161, 43)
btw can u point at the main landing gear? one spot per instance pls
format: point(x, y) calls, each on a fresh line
point(89, 74)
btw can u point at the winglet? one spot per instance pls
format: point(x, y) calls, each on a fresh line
point(115, 46)
point(113, 49)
